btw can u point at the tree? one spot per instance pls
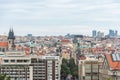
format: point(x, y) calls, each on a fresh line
point(64, 68)
point(64, 60)
point(73, 68)
point(108, 79)
point(69, 67)
point(4, 77)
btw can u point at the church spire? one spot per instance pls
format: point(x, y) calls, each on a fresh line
point(11, 34)
point(11, 38)
point(9, 31)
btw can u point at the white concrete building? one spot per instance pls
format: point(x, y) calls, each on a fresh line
point(21, 67)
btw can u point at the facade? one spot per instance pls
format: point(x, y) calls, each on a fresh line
point(3, 46)
point(94, 33)
point(20, 67)
point(113, 33)
point(100, 34)
point(88, 69)
point(116, 32)
point(110, 67)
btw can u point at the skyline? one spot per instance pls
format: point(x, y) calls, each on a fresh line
point(53, 17)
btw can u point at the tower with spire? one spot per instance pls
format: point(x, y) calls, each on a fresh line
point(11, 39)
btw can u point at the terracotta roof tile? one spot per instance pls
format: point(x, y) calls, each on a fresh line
point(4, 44)
point(65, 41)
point(114, 65)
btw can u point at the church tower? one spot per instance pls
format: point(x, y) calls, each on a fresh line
point(11, 39)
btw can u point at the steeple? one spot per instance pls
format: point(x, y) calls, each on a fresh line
point(12, 31)
point(11, 34)
point(11, 38)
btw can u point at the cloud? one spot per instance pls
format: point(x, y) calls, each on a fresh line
point(59, 13)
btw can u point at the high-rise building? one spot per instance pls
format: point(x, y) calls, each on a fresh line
point(29, 35)
point(116, 32)
point(100, 34)
point(113, 33)
point(94, 33)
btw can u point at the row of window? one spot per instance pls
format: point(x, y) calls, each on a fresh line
point(19, 61)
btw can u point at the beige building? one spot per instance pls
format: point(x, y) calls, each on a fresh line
point(65, 55)
point(88, 69)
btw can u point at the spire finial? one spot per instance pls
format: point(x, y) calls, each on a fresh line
point(10, 29)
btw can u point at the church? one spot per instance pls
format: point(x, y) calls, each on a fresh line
point(9, 44)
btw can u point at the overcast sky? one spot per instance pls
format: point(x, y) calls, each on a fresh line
point(59, 17)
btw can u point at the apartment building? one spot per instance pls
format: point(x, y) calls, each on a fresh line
point(111, 67)
point(19, 66)
point(88, 69)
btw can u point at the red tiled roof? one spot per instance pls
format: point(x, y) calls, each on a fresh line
point(65, 41)
point(18, 47)
point(114, 65)
point(4, 44)
point(82, 57)
point(27, 50)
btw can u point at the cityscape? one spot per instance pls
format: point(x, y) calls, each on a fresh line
point(59, 39)
point(69, 57)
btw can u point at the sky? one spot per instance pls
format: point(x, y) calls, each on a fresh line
point(59, 17)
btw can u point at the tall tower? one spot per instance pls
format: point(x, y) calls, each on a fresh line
point(94, 33)
point(11, 39)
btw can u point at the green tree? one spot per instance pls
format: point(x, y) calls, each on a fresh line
point(4, 77)
point(75, 71)
point(73, 68)
point(64, 61)
point(69, 67)
point(108, 79)
point(64, 67)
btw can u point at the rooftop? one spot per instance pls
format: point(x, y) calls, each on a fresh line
point(114, 61)
point(3, 44)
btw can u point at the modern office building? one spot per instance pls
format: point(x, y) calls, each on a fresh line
point(100, 34)
point(94, 33)
point(113, 33)
point(116, 32)
point(29, 35)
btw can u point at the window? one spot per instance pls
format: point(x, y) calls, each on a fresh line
point(12, 60)
point(19, 60)
point(6, 61)
point(3, 50)
point(26, 60)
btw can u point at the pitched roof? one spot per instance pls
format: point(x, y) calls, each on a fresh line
point(114, 64)
point(3, 44)
point(65, 41)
